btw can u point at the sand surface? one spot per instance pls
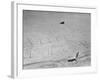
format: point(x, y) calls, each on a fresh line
point(49, 44)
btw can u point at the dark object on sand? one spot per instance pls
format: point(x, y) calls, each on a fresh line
point(62, 22)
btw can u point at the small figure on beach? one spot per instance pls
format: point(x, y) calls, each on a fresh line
point(74, 59)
